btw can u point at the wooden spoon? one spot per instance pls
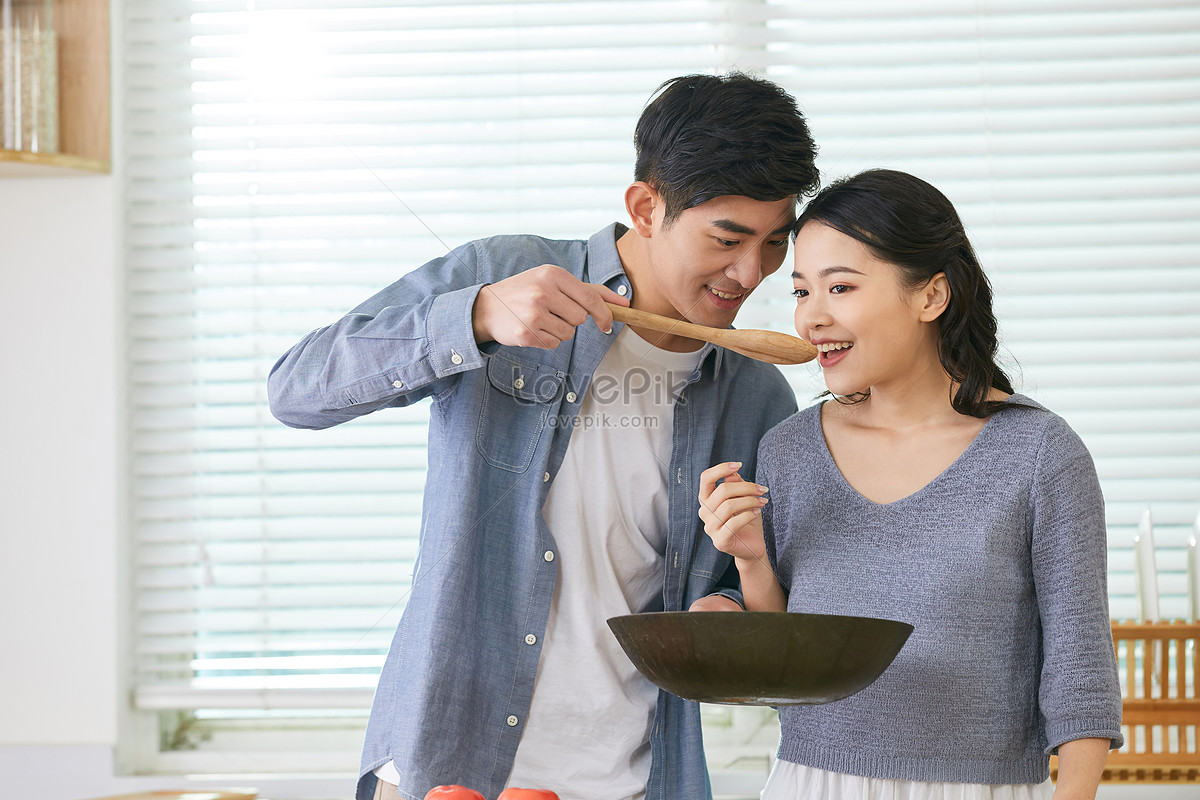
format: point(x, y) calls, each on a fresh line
point(769, 346)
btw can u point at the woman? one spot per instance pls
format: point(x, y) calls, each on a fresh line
point(926, 491)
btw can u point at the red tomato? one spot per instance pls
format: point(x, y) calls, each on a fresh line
point(453, 792)
point(527, 794)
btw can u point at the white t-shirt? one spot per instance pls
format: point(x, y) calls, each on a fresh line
point(588, 728)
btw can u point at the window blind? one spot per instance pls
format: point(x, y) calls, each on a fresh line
point(287, 158)
point(1066, 134)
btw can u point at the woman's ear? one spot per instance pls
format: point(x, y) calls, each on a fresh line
point(642, 202)
point(934, 296)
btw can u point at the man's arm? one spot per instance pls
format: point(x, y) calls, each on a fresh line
point(391, 350)
point(413, 338)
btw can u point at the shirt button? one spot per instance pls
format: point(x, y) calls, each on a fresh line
point(455, 358)
point(549, 555)
point(398, 384)
point(530, 639)
point(546, 478)
point(519, 383)
point(572, 397)
point(512, 721)
point(622, 290)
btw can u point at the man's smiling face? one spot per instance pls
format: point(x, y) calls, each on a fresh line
point(706, 262)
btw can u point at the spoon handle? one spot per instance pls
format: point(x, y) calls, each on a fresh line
point(769, 346)
point(656, 322)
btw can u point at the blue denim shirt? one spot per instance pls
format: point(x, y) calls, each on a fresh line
point(456, 685)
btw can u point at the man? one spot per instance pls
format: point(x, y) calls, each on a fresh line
point(564, 458)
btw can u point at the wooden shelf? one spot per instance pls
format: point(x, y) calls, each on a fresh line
point(84, 104)
point(18, 164)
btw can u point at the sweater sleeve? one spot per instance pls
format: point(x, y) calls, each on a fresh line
point(1080, 695)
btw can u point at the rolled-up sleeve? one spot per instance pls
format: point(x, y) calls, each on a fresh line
point(405, 343)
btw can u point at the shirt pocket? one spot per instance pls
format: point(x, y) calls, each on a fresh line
point(517, 403)
point(708, 563)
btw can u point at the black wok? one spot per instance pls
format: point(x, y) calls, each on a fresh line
point(758, 657)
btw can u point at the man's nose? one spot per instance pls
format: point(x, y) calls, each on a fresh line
point(747, 270)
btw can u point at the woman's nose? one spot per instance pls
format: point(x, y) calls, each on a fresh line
point(812, 314)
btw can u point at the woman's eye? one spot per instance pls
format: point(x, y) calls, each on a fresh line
point(839, 288)
point(798, 293)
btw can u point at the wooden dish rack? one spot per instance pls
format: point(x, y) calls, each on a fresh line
point(1159, 664)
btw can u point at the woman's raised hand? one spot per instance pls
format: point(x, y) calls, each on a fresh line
point(731, 510)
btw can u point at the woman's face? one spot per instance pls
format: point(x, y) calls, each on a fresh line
point(869, 329)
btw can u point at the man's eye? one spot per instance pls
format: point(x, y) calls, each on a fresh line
point(728, 242)
point(798, 293)
point(778, 242)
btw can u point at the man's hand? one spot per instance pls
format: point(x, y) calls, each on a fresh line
point(540, 307)
point(714, 602)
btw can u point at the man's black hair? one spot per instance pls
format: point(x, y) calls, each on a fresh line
point(704, 136)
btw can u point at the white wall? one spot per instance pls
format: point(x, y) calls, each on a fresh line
point(60, 470)
point(61, 479)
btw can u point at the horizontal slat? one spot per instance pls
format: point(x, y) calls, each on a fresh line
point(170, 656)
point(357, 595)
point(250, 505)
point(378, 529)
point(254, 620)
point(843, 22)
point(168, 697)
point(294, 553)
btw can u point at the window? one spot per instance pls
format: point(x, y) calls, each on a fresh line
point(286, 159)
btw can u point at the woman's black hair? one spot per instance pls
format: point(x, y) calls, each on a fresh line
point(705, 136)
point(908, 223)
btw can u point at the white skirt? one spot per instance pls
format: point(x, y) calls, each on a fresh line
point(789, 781)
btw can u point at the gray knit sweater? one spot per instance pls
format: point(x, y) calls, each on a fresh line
point(999, 563)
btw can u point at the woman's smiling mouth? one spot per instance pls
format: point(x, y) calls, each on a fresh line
point(830, 353)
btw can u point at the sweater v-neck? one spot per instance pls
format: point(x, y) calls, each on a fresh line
point(954, 466)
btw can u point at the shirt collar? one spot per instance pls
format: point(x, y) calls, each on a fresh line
point(603, 262)
point(604, 266)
